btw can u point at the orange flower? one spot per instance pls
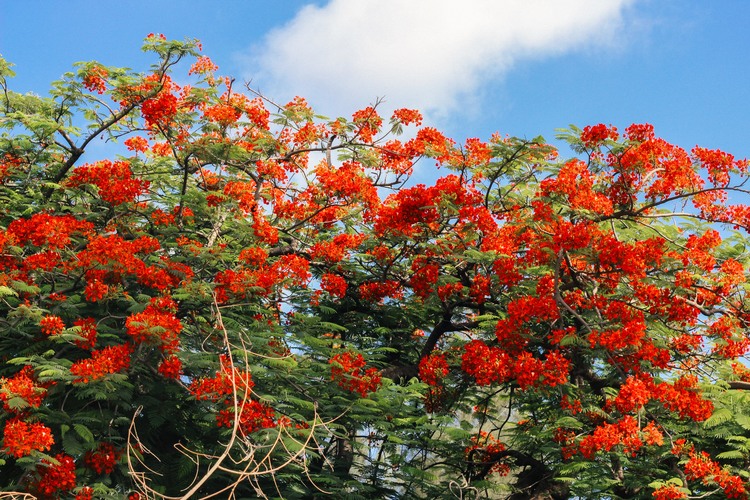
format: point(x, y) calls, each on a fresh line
point(51, 325)
point(21, 437)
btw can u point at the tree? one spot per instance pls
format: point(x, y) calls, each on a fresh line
point(250, 300)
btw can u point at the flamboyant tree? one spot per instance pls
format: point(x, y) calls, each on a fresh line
point(250, 300)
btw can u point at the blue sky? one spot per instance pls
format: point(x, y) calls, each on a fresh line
point(518, 67)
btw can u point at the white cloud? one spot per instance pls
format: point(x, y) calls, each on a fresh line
point(427, 54)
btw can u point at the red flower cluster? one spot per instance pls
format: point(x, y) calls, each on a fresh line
point(288, 270)
point(377, 291)
point(486, 448)
point(424, 276)
point(368, 122)
point(20, 437)
point(85, 493)
point(8, 164)
point(203, 65)
point(433, 368)
point(224, 383)
point(344, 185)
point(104, 458)
point(88, 332)
point(253, 256)
point(53, 231)
point(137, 143)
point(253, 416)
point(95, 79)
point(159, 109)
point(157, 324)
point(334, 284)
point(170, 367)
point(347, 369)
point(55, 479)
point(161, 218)
point(495, 365)
point(335, 250)
point(418, 210)
point(575, 182)
point(476, 152)
point(22, 385)
point(222, 388)
point(223, 114)
point(681, 396)
point(701, 467)
point(118, 258)
point(607, 436)
point(719, 165)
point(103, 362)
point(407, 116)
point(670, 492)
point(488, 365)
point(593, 135)
point(51, 325)
point(114, 179)
point(243, 193)
point(430, 141)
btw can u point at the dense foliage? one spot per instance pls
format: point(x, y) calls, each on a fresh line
point(249, 300)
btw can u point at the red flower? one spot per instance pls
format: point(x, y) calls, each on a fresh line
point(95, 79)
point(670, 492)
point(56, 478)
point(224, 383)
point(88, 332)
point(103, 459)
point(486, 364)
point(700, 465)
point(51, 325)
point(407, 116)
point(156, 324)
point(607, 436)
point(485, 448)
point(347, 369)
point(85, 493)
point(369, 123)
point(114, 179)
point(112, 359)
point(634, 393)
point(137, 143)
point(22, 385)
point(333, 284)
point(377, 291)
point(593, 135)
point(21, 437)
point(253, 416)
point(652, 435)
point(51, 230)
point(171, 367)
point(203, 65)
point(433, 368)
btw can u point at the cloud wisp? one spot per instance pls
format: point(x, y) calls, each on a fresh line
point(428, 54)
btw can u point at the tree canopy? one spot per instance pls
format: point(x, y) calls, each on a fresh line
point(245, 299)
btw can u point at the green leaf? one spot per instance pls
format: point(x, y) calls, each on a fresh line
point(568, 422)
point(84, 433)
point(719, 416)
point(71, 445)
point(730, 455)
point(744, 421)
